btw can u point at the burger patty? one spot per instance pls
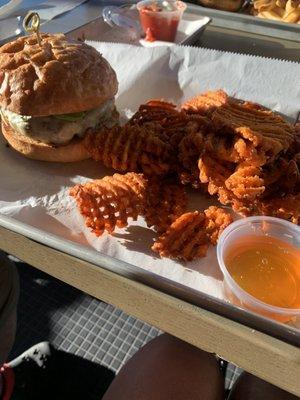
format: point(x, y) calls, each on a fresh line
point(59, 129)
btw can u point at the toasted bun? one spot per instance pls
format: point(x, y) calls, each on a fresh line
point(60, 77)
point(226, 5)
point(70, 152)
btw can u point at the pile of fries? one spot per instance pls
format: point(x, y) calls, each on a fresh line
point(241, 153)
point(279, 10)
point(249, 158)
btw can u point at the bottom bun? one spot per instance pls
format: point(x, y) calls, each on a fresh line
point(70, 152)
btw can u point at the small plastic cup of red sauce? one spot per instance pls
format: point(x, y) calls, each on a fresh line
point(160, 19)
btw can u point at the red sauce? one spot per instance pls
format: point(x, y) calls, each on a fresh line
point(156, 26)
point(149, 36)
point(153, 7)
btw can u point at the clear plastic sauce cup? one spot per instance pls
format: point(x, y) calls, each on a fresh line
point(160, 19)
point(260, 228)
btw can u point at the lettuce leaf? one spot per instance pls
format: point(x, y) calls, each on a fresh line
point(73, 117)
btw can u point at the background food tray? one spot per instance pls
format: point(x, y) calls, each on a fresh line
point(248, 23)
point(224, 19)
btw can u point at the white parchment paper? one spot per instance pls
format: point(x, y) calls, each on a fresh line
point(36, 192)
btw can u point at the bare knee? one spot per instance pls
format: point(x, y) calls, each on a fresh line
point(168, 368)
point(249, 387)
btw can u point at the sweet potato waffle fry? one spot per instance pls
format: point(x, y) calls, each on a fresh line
point(242, 153)
point(172, 124)
point(165, 202)
point(188, 124)
point(131, 148)
point(296, 158)
point(189, 235)
point(185, 239)
point(246, 182)
point(154, 111)
point(206, 103)
point(287, 207)
point(249, 154)
point(109, 202)
point(216, 221)
point(214, 173)
point(266, 130)
point(265, 134)
point(229, 148)
point(189, 150)
point(282, 177)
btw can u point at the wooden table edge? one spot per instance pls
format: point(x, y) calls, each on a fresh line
point(264, 356)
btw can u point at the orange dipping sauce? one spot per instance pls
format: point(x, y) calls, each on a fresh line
point(159, 24)
point(266, 268)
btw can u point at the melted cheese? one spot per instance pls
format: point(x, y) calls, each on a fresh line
point(57, 131)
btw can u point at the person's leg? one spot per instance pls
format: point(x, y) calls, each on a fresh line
point(43, 372)
point(9, 294)
point(168, 369)
point(249, 387)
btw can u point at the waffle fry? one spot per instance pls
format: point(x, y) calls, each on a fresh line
point(241, 152)
point(222, 147)
point(291, 181)
point(165, 202)
point(154, 111)
point(206, 103)
point(287, 207)
point(189, 235)
point(191, 178)
point(172, 124)
point(109, 202)
point(185, 239)
point(258, 134)
point(216, 221)
point(239, 159)
point(189, 150)
point(246, 182)
point(214, 173)
point(266, 130)
point(297, 160)
point(189, 125)
point(282, 177)
point(233, 149)
point(131, 148)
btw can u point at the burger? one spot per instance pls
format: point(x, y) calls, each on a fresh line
point(52, 94)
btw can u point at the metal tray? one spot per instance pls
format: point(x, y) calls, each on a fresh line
point(254, 321)
point(85, 14)
point(224, 19)
point(248, 23)
point(190, 29)
point(280, 331)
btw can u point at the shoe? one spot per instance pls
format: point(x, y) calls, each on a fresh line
point(42, 372)
point(223, 366)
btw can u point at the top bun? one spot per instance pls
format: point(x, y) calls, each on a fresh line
point(60, 77)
